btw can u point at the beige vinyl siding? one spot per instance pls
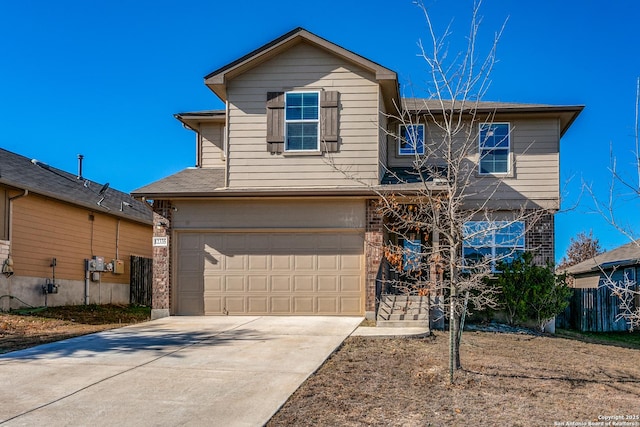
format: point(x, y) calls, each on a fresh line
point(382, 146)
point(212, 145)
point(44, 229)
point(269, 214)
point(586, 282)
point(302, 67)
point(535, 163)
point(4, 214)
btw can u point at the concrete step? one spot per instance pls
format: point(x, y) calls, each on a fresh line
point(402, 323)
point(398, 316)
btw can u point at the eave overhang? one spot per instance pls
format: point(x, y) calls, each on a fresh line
point(192, 120)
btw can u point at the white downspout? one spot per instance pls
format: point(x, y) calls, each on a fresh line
point(86, 285)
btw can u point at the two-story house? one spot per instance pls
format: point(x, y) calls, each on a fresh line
point(279, 214)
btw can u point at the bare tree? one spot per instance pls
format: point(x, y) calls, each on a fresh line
point(582, 247)
point(624, 190)
point(628, 296)
point(442, 214)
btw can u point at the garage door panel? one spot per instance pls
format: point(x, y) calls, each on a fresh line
point(328, 304)
point(258, 262)
point(236, 262)
point(212, 262)
point(234, 304)
point(280, 262)
point(190, 262)
point(280, 305)
point(350, 262)
point(303, 305)
point(349, 283)
point(327, 284)
point(235, 244)
point(350, 304)
point(328, 262)
point(190, 242)
point(351, 243)
point(281, 283)
point(303, 283)
point(234, 283)
point(191, 304)
point(304, 262)
point(213, 283)
point(257, 305)
point(258, 283)
point(270, 273)
point(213, 304)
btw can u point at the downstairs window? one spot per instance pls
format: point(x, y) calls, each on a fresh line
point(493, 241)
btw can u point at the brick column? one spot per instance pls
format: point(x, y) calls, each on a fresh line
point(373, 255)
point(161, 289)
point(540, 239)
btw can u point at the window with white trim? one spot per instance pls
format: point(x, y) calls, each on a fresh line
point(302, 121)
point(494, 148)
point(411, 140)
point(493, 241)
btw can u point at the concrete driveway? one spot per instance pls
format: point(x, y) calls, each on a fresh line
point(197, 371)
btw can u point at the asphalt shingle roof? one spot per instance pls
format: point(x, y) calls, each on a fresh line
point(628, 254)
point(26, 174)
point(187, 181)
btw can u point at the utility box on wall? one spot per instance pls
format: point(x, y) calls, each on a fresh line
point(95, 264)
point(118, 266)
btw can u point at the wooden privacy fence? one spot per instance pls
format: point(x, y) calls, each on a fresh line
point(592, 310)
point(141, 280)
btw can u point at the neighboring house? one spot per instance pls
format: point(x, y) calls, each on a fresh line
point(594, 307)
point(51, 222)
point(278, 216)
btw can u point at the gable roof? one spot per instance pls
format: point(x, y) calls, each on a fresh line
point(22, 173)
point(217, 80)
point(625, 255)
point(566, 113)
point(187, 182)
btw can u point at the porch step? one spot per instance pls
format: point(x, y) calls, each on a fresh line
point(403, 311)
point(402, 323)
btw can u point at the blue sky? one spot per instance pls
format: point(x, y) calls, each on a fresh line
point(104, 77)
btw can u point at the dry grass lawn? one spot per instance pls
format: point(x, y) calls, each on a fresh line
point(508, 380)
point(44, 325)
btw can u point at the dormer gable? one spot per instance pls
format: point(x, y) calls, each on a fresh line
point(217, 80)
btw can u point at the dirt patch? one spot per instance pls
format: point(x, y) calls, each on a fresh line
point(509, 379)
point(28, 328)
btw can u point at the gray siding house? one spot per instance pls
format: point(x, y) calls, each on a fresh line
point(594, 307)
point(278, 215)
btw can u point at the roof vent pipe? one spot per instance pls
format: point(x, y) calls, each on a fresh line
point(80, 157)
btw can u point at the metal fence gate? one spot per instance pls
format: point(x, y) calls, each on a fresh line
point(141, 280)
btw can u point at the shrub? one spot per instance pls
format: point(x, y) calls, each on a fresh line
point(530, 291)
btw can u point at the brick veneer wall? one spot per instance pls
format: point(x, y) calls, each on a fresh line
point(373, 254)
point(540, 238)
point(161, 289)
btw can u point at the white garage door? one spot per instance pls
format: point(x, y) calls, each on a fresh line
point(270, 273)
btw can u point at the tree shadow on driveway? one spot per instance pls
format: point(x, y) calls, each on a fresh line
point(153, 343)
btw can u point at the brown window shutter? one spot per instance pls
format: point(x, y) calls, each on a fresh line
point(329, 121)
point(275, 122)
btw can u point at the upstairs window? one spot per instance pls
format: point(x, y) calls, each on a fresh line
point(492, 241)
point(494, 148)
point(411, 141)
point(302, 121)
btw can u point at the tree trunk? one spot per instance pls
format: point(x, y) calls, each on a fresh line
point(454, 354)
